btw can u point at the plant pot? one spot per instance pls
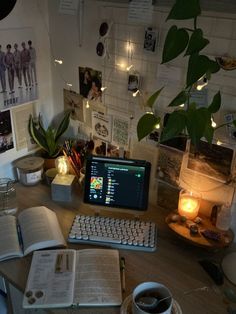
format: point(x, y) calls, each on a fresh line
point(49, 163)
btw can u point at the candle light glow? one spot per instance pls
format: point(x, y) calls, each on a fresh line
point(188, 204)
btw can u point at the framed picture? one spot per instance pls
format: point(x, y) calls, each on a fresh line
point(6, 137)
point(213, 161)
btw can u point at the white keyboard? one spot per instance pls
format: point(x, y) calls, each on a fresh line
point(113, 232)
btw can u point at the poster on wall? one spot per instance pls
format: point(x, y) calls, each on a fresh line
point(20, 117)
point(90, 83)
point(101, 126)
point(213, 161)
point(120, 131)
point(18, 67)
point(6, 138)
point(74, 102)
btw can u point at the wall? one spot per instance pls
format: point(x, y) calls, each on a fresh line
point(117, 100)
point(30, 17)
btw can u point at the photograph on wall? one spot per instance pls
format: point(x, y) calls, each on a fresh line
point(133, 82)
point(74, 102)
point(6, 137)
point(150, 40)
point(90, 83)
point(169, 164)
point(120, 131)
point(20, 118)
point(214, 161)
point(101, 126)
point(18, 67)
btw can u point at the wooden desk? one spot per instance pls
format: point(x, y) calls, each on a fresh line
point(175, 263)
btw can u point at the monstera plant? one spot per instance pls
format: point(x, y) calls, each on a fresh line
point(191, 120)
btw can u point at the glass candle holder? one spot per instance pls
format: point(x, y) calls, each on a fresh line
point(62, 165)
point(189, 204)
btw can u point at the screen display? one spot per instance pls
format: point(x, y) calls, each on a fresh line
point(117, 182)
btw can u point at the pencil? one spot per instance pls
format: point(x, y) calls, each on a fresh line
point(122, 267)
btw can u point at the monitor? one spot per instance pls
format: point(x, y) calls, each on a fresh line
point(117, 182)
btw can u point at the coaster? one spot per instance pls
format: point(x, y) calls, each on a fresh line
point(126, 307)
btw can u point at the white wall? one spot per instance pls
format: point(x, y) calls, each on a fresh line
point(31, 15)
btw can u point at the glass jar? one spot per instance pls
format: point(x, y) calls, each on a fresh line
point(8, 203)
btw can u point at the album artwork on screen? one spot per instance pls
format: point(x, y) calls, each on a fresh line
point(213, 161)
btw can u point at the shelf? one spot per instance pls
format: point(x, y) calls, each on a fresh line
point(180, 228)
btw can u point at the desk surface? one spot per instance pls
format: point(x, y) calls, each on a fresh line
point(175, 263)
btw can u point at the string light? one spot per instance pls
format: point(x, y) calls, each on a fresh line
point(136, 93)
point(219, 142)
point(203, 84)
point(157, 126)
point(58, 61)
point(213, 124)
point(181, 105)
point(129, 67)
point(103, 88)
point(69, 84)
point(87, 104)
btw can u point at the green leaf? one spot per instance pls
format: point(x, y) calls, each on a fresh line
point(175, 125)
point(196, 42)
point(213, 66)
point(197, 122)
point(184, 9)
point(146, 125)
point(63, 126)
point(197, 67)
point(175, 43)
point(208, 134)
point(216, 103)
point(152, 99)
point(36, 135)
point(234, 122)
point(178, 100)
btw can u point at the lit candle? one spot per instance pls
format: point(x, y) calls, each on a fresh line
point(189, 204)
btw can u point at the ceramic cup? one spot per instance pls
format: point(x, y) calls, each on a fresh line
point(146, 299)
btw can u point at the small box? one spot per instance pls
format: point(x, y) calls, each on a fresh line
point(61, 187)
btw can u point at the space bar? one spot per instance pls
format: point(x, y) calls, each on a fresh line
point(104, 239)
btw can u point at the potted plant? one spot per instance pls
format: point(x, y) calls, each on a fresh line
point(48, 139)
point(193, 122)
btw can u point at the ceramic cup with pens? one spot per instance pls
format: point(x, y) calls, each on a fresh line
point(151, 297)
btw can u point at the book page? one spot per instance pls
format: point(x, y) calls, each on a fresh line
point(97, 278)
point(39, 229)
point(9, 244)
point(51, 279)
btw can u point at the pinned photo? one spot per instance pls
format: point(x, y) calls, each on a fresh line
point(150, 40)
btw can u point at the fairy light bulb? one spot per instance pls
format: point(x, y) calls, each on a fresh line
point(58, 61)
point(157, 126)
point(181, 105)
point(213, 124)
point(129, 67)
point(103, 88)
point(87, 104)
point(136, 93)
point(219, 142)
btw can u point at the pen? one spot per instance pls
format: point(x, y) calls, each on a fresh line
point(122, 268)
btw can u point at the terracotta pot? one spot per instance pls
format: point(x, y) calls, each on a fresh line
point(49, 163)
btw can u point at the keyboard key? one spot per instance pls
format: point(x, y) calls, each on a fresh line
point(117, 233)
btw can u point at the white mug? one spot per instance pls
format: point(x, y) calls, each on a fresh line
point(151, 297)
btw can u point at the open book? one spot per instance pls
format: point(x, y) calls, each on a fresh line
point(35, 228)
point(64, 278)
